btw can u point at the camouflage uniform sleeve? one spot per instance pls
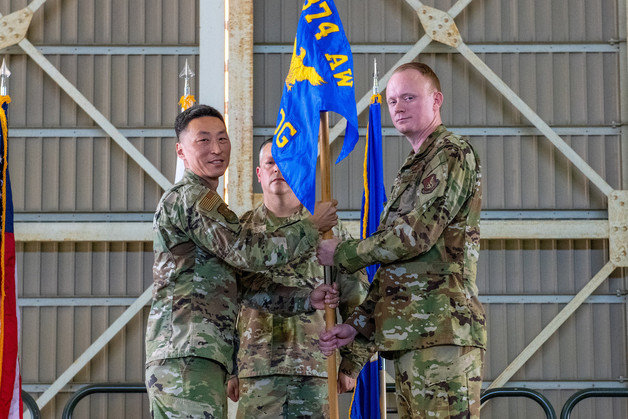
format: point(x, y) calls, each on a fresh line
point(357, 355)
point(353, 290)
point(213, 226)
point(361, 318)
point(258, 291)
point(416, 231)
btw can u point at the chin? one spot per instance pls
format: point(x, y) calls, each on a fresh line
point(217, 173)
point(279, 189)
point(401, 128)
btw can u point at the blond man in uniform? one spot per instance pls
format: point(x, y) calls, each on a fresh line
point(422, 310)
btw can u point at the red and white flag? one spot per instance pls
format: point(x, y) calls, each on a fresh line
point(10, 380)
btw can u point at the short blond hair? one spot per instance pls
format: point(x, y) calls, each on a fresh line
point(422, 68)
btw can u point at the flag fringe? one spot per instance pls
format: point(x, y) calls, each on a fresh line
point(186, 101)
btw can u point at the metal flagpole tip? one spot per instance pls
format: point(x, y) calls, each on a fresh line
point(187, 99)
point(4, 70)
point(187, 71)
point(375, 78)
point(4, 78)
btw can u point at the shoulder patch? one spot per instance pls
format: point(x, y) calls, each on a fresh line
point(229, 215)
point(429, 183)
point(209, 201)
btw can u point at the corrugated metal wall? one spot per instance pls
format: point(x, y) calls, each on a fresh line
point(125, 57)
point(562, 57)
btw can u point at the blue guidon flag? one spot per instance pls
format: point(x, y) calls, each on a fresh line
point(320, 79)
point(365, 403)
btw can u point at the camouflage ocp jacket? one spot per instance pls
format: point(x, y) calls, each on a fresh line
point(288, 345)
point(198, 242)
point(428, 243)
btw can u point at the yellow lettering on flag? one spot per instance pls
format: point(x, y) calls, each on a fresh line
point(325, 29)
point(283, 118)
point(326, 12)
point(309, 3)
point(336, 60)
point(345, 78)
point(280, 129)
point(284, 139)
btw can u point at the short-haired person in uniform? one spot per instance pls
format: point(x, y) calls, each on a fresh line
point(422, 310)
point(198, 245)
point(281, 371)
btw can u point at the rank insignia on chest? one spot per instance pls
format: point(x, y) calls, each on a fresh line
point(429, 183)
point(229, 215)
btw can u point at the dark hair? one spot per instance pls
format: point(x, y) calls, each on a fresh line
point(193, 112)
point(424, 69)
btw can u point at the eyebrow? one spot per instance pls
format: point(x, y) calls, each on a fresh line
point(209, 133)
point(403, 94)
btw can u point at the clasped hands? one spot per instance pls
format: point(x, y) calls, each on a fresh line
point(340, 334)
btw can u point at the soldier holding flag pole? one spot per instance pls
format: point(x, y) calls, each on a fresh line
point(281, 371)
point(198, 245)
point(423, 310)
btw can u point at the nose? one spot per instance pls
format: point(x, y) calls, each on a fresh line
point(398, 107)
point(214, 147)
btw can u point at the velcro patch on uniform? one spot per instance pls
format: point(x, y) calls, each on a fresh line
point(209, 201)
point(429, 184)
point(229, 215)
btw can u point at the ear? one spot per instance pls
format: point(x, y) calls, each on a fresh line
point(438, 100)
point(258, 170)
point(180, 151)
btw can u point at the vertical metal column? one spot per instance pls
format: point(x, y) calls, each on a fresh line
point(240, 104)
point(623, 103)
point(211, 73)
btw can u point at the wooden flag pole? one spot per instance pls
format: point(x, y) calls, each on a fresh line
point(382, 390)
point(330, 313)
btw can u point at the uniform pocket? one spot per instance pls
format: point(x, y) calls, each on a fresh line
point(457, 366)
point(450, 384)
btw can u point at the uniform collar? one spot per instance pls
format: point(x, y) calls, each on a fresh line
point(427, 144)
point(273, 220)
point(190, 176)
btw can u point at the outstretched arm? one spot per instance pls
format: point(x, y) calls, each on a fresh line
point(258, 291)
point(415, 231)
point(210, 224)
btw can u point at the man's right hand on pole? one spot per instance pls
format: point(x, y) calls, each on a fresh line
point(325, 216)
point(325, 294)
point(339, 335)
point(326, 250)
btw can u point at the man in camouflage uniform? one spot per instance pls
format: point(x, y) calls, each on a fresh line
point(423, 310)
point(198, 243)
point(281, 371)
